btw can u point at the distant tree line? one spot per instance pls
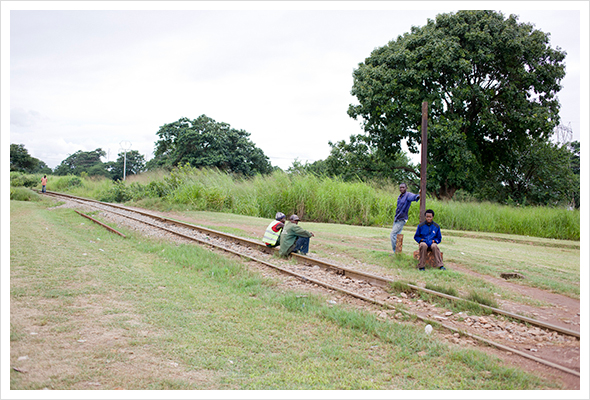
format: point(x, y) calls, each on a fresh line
point(201, 142)
point(81, 163)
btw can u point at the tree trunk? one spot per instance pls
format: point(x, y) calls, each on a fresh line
point(446, 191)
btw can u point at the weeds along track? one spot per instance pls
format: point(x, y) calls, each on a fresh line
point(554, 346)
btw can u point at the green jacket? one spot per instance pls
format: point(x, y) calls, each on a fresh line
point(291, 232)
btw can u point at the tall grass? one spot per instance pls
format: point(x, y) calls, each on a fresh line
point(320, 199)
point(546, 222)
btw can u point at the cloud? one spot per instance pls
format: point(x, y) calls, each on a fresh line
point(21, 118)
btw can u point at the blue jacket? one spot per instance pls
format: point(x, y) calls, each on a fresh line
point(428, 233)
point(404, 201)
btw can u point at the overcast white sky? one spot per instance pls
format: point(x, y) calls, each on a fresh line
point(81, 79)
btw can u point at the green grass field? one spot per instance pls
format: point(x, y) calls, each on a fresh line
point(92, 310)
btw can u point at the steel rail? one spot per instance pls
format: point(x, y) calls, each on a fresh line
point(370, 278)
point(353, 294)
point(101, 224)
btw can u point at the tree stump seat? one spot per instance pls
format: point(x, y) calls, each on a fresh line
point(429, 257)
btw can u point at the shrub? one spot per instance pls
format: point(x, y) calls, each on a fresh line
point(23, 194)
point(119, 193)
point(65, 182)
point(18, 179)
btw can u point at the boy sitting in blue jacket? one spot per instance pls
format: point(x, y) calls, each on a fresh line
point(428, 237)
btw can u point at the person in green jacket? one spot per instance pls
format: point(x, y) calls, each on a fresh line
point(294, 239)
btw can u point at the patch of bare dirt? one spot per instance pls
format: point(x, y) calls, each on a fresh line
point(563, 312)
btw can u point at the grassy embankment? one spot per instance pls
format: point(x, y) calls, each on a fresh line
point(316, 199)
point(93, 310)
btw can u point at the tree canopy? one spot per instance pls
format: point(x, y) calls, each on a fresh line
point(134, 164)
point(83, 161)
point(490, 83)
point(544, 173)
point(359, 159)
point(22, 161)
point(203, 142)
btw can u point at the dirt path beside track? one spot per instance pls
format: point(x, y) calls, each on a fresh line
point(564, 312)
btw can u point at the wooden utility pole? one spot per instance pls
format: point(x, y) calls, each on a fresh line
point(423, 160)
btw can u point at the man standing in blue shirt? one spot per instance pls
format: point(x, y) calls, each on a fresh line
point(404, 201)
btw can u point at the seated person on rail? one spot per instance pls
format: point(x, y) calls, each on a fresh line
point(272, 235)
point(294, 239)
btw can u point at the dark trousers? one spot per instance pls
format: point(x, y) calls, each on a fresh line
point(301, 245)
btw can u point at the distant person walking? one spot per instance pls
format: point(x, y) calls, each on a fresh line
point(428, 237)
point(404, 201)
point(43, 183)
point(272, 235)
point(294, 238)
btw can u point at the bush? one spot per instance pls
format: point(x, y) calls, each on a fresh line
point(65, 182)
point(119, 193)
point(156, 189)
point(23, 194)
point(18, 179)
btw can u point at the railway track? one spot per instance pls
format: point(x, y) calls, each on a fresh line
point(512, 331)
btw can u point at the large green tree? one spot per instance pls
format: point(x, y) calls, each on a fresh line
point(203, 142)
point(359, 159)
point(21, 160)
point(83, 161)
point(541, 174)
point(490, 83)
point(133, 163)
point(574, 161)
